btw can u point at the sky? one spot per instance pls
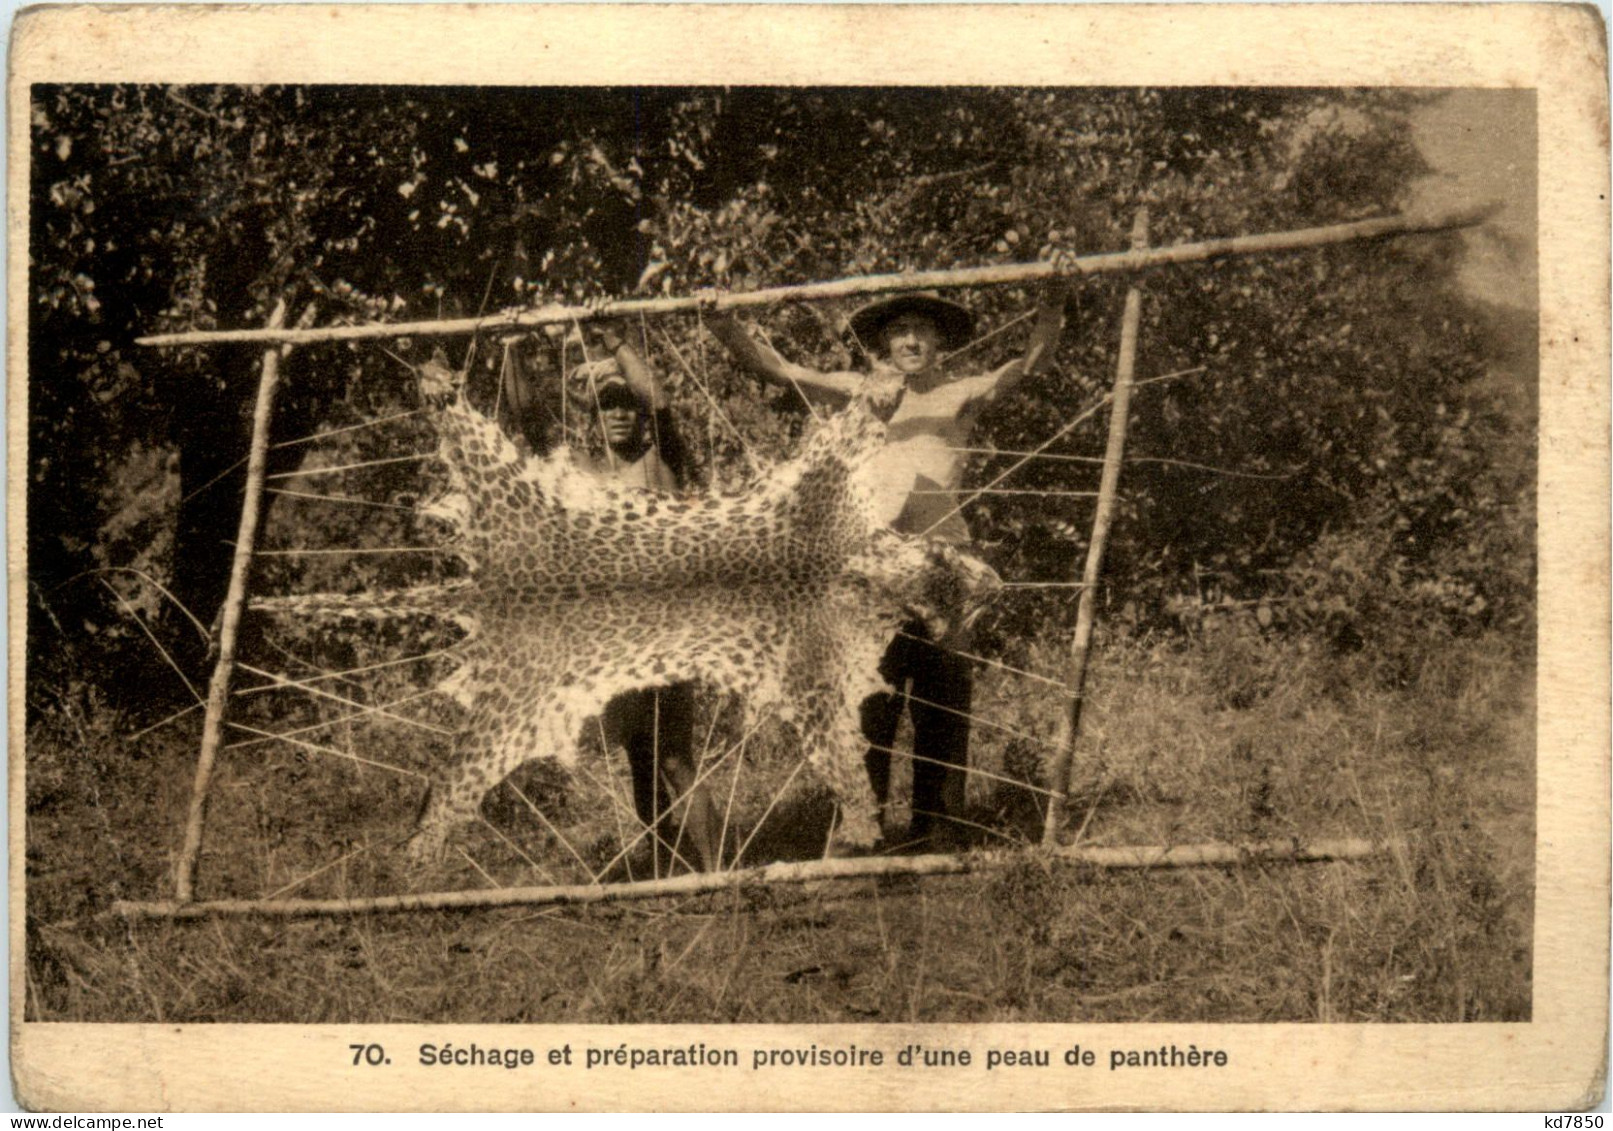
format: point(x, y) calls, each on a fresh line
point(1481, 144)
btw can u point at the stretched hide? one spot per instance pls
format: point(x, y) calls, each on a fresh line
point(579, 590)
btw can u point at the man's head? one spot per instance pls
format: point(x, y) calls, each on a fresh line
point(911, 330)
point(620, 411)
point(910, 342)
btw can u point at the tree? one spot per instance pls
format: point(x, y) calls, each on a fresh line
point(1338, 384)
point(1335, 383)
point(163, 208)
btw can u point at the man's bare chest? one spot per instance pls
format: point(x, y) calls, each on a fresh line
point(935, 414)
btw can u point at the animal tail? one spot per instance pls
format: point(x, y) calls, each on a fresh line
point(421, 600)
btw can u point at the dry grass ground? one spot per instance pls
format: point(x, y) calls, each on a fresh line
point(1227, 738)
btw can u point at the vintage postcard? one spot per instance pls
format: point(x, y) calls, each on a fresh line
point(793, 557)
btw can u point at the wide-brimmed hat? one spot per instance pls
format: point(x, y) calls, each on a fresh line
point(953, 322)
point(606, 381)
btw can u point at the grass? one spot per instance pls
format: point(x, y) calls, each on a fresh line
point(1229, 737)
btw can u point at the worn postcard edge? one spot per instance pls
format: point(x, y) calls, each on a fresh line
point(1554, 1061)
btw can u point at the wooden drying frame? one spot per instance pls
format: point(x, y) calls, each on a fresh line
point(278, 339)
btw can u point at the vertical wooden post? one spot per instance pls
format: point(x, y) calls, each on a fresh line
point(1119, 414)
point(218, 692)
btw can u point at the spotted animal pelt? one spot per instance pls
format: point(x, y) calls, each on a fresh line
point(578, 590)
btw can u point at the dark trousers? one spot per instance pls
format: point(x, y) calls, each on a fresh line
point(938, 698)
point(656, 728)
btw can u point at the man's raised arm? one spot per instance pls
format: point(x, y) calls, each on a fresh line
point(617, 341)
point(764, 361)
point(618, 346)
point(1044, 340)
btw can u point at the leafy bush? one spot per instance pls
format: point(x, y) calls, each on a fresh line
point(1328, 394)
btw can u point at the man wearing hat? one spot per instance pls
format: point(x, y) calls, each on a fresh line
point(915, 480)
point(640, 442)
point(641, 449)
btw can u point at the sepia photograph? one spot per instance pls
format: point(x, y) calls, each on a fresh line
point(914, 556)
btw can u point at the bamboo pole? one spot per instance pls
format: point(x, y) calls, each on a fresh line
point(810, 871)
point(1108, 489)
point(218, 692)
point(996, 275)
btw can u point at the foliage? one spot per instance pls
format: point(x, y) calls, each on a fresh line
point(1297, 743)
point(1348, 479)
point(1337, 385)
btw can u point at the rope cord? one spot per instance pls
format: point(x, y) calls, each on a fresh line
point(618, 806)
point(593, 392)
point(337, 499)
point(201, 629)
point(654, 412)
point(177, 715)
point(331, 695)
point(308, 472)
point(716, 409)
point(376, 423)
point(305, 552)
point(506, 360)
point(565, 398)
point(288, 654)
point(1171, 376)
point(341, 674)
point(1215, 470)
point(1080, 418)
point(705, 367)
point(800, 392)
point(336, 721)
point(733, 782)
point(1049, 492)
point(547, 875)
point(323, 868)
point(331, 750)
point(627, 844)
point(698, 781)
point(778, 795)
point(984, 660)
point(1130, 459)
point(127, 608)
point(965, 769)
point(973, 718)
point(211, 482)
point(1045, 585)
point(471, 860)
point(1033, 455)
point(547, 824)
point(986, 337)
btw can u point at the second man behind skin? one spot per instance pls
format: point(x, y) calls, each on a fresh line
point(641, 449)
point(915, 480)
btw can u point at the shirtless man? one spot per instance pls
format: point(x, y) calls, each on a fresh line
point(915, 479)
point(642, 449)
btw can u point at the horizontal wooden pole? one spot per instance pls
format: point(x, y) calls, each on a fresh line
point(1118, 262)
point(810, 871)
